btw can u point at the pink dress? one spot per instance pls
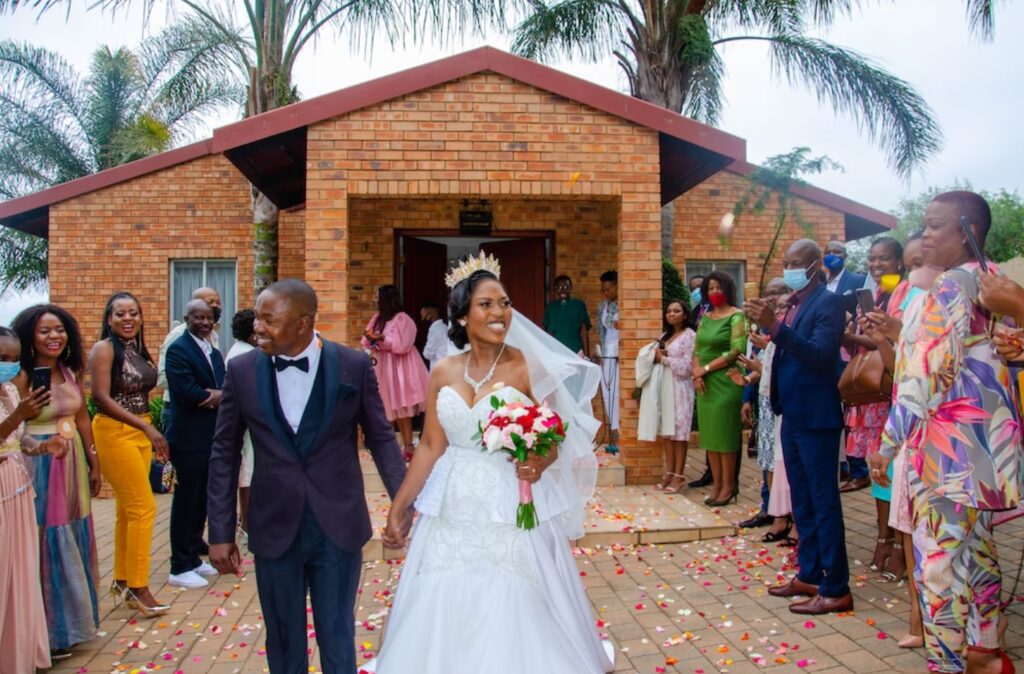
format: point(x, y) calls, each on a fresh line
point(24, 644)
point(680, 361)
point(401, 375)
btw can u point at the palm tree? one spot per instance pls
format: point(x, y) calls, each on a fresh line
point(670, 53)
point(264, 43)
point(56, 126)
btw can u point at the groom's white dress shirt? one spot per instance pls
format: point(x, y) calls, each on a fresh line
point(295, 386)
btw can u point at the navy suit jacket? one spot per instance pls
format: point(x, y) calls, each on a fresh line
point(850, 281)
point(316, 468)
point(190, 427)
point(805, 378)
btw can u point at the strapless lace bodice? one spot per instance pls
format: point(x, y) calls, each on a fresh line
point(477, 467)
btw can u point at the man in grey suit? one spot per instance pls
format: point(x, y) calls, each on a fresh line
point(301, 398)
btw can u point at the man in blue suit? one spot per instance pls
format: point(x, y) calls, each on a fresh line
point(805, 392)
point(303, 400)
point(840, 279)
point(195, 373)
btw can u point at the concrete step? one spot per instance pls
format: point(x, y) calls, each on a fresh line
point(610, 471)
point(618, 515)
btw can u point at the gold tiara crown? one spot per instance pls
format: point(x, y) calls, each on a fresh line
point(470, 265)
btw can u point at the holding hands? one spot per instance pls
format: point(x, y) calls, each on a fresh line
point(396, 532)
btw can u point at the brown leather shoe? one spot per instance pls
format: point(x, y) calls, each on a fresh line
point(794, 588)
point(820, 605)
point(855, 485)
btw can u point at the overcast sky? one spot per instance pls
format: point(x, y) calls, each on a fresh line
point(976, 89)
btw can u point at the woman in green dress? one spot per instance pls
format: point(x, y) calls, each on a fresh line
point(721, 338)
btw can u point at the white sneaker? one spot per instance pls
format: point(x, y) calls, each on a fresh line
point(206, 569)
point(189, 579)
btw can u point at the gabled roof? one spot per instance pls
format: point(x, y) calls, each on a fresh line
point(861, 220)
point(270, 149)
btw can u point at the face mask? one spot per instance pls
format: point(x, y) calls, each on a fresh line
point(216, 314)
point(797, 279)
point(9, 371)
point(717, 299)
point(833, 262)
point(695, 297)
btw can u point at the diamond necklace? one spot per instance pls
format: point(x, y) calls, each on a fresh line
point(477, 385)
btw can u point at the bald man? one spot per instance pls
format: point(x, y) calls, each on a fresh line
point(195, 373)
point(805, 391)
point(212, 299)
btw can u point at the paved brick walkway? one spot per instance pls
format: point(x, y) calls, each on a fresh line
point(698, 607)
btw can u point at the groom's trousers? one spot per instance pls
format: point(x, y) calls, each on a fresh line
point(315, 564)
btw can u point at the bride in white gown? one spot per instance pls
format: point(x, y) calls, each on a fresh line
point(477, 594)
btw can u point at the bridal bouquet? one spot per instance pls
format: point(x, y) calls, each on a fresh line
point(521, 429)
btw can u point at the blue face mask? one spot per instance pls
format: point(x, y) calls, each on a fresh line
point(9, 371)
point(833, 262)
point(695, 297)
point(796, 279)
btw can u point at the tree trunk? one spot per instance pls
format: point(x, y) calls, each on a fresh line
point(668, 228)
point(265, 216)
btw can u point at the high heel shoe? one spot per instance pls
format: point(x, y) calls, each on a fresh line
point(669, 489)
point(890, 576)
point(718, 504)
point(665, 479)
point(881, 557)
point(1007, 664)
point(131, 600)
point(117, 593)
point(776, 536)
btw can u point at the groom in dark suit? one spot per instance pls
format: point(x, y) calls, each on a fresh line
point(805, 391)
point(301, 397)
point(195, 373)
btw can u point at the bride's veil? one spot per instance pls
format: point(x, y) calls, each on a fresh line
point(568, 384)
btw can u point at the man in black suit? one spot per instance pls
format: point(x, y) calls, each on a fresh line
point(195, 373)
point(302, 399)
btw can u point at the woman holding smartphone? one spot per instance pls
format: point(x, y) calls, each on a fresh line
point(52, 357)
point(864, 423)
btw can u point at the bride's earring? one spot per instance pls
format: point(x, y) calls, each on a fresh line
point(462, 322)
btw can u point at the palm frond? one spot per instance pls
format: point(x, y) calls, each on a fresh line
point(887, 108)
point(980, 17)
point(43, 140)
point(43, 77)
point(23, 261)
point(586, 28)
point(451, 20)
point(114, 86)
point(704, 97)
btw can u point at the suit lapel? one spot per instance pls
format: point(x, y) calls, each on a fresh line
point(200, 357)
point(807, 305)
point(266, 387)
point(330, 364)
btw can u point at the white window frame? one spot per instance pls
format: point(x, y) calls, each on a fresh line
point(728, 268)
point(225, 325)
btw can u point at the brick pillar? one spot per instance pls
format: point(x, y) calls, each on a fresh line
point(326, 234)
point(640, 311)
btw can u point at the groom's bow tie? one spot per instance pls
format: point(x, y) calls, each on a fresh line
point(282, 364)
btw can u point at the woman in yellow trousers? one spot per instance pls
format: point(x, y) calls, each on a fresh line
point(123, 374)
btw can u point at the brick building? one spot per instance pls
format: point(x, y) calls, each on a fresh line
point(388, 181)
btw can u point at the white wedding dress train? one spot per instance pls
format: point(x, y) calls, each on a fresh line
point(477, 594)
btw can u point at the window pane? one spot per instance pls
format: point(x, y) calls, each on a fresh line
point(186, 276)
point(220, 276)
point(735, 269)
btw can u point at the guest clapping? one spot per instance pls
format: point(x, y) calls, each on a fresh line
point(401, 375)
point(51, 341)
point(123, 373)
point(956, 418)
point(721, 338)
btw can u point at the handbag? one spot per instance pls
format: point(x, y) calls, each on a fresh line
point(865, 380)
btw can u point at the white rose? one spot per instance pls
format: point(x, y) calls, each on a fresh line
point(492, 439)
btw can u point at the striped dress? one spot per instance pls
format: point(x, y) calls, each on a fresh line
point(64, 515)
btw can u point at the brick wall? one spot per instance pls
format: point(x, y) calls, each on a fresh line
point(699, 213)
point(291, 234)
point(487, 136)
point(124, 237)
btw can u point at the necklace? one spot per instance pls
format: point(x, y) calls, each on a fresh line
point(477, 385)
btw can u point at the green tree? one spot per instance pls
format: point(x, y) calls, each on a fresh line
point(771, 186)
point(672, 286)
point(56, 125)
point(265, 37)
point(1006, 237)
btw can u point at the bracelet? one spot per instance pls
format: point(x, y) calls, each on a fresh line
point(92, 448)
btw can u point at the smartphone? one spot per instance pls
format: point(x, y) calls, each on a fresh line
point(41, 378)
point(751, 291)
point(866, 301)
point(979, 254)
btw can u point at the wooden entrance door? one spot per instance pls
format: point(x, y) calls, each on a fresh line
point(424, 264)
point(522, 273)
